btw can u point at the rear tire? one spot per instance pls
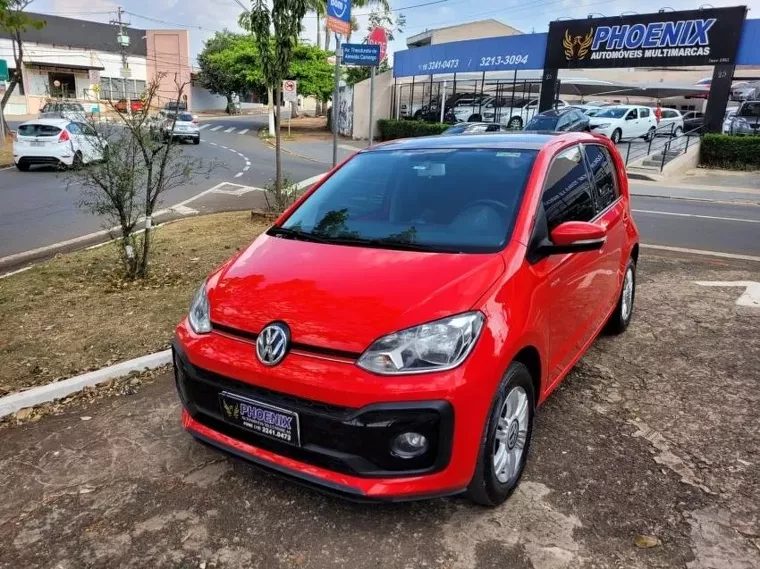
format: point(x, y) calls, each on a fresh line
point(474, 118)
point(621, 317)
point(650, 134)
point(78, 161)
point(509, 425)
point(678, 132)
point(23, 165)
point(616, 136)
point(197, 140)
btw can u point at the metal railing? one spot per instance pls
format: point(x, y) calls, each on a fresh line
point(665, 141)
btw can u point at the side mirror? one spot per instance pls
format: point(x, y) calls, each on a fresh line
point(576, 237)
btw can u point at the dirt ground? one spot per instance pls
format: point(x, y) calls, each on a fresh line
point(654, 438)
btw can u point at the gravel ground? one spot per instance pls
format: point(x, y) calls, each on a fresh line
point(646, 456)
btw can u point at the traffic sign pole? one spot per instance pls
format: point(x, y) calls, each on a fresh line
point(336, 101)
point(371, 105)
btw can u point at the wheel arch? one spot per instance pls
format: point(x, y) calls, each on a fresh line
point(530, 357)
point(635, 253)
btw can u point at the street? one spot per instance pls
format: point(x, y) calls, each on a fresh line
point(38, 209)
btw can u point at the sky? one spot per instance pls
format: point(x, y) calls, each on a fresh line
point(203, 17)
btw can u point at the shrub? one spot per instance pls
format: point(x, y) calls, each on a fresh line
point(391, 129)
point(731, 152)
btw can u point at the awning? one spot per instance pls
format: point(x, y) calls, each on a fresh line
point(59, 66)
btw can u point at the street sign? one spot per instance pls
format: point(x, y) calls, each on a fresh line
point(378, 36)
point(3, 70)
point(125, 72)
point(339, 16)
point(94, 76)
point(290, 91)
point(364, 54)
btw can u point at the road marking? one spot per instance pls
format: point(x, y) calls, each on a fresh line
point(308, 182)
point(243, 131)
point(216, 128)
point(702, 252)
point(238, 174)
point(230, 129)
point(220, 146)
point(247, 162)
point(246, 168)
point(695, 215)
point(213, 144)
point(204, 126)
point(184, 210)
point(750, 296)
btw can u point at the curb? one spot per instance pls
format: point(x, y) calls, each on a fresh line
point(52, 391)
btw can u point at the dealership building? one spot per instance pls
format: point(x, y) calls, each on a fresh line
point(82, 60)
point(686, 60)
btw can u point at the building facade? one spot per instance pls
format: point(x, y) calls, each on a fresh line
point(82, 61)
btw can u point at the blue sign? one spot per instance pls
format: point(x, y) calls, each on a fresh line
point(526, 51)
point(748, 53)
point(339, 16)
point(364, 54)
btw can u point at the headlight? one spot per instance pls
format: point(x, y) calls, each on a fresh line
point(199, 315)
point(436, 346)
point(602, 125)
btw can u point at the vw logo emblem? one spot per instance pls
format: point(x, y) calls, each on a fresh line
point(272, 344)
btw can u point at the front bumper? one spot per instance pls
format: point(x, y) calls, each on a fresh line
point(347, 418)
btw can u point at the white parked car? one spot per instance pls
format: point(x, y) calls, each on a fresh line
point(57, 142)
point(466, 107)
point(625, 121)
point(63, 110)
point(514, 117)
point(185, 127)
point(671, 123)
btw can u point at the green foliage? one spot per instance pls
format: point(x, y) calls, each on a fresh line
point(730, 152)
point(310, 68)
point(229, 63)
point(391, 129)
point(355, 75)
point(15, 21)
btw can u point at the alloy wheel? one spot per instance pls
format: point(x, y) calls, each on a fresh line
point(511, 435)
point(626, 304)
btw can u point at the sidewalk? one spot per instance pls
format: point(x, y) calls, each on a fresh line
point(321, 151)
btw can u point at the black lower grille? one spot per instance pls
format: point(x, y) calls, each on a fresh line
point(352, 441)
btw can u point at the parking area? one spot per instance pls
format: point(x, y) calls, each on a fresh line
point(653, 440)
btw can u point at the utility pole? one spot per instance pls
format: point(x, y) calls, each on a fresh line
point(123, 40)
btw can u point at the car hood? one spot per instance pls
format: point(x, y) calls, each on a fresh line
point(343, 297)
point(593, 121)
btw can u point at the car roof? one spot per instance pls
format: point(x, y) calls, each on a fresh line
point(558, 112)
point(519, 140)
point(50, 122)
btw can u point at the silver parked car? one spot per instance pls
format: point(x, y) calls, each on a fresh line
point(70, 110)
point(747, 119)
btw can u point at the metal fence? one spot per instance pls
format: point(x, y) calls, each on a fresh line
point(668, 142)
point(511, 102)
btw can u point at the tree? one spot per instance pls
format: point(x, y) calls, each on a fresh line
point(314, 74)
point(275, 34)
point(15, 21)
point(229, 64)
point(137, 168)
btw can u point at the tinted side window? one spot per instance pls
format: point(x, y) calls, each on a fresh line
point(644, 113)
point(74, 128)
point(602, 171)
point(632, 115)
point(567, 193)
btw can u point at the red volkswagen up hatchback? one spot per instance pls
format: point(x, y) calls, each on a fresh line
point(392, 334)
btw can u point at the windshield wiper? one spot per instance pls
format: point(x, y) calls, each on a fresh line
point(384, 243)
point(298, 234)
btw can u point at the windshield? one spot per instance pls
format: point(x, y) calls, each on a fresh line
point(612, 113)
point(592, 112)
point(447, 200)
point(38, 130)
point(750, 110)
point(542, 123)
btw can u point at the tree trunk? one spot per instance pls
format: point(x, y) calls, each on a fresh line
point(271, 111)
point(277, 158)
point(143, 269)
point(319, 29)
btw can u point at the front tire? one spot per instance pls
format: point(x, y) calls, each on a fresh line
point(621, 317)
point(506, 439)
point(197, 140)
point(650, 134)
point(515, 123)
point(616, 136)
point(475, 118)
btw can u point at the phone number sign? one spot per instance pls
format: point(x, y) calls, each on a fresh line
point(491, 54)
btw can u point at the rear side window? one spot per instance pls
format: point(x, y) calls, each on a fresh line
point(601, 168)
point(567, 193)
point(644, 113)
point(749, 110)
point(38, 130)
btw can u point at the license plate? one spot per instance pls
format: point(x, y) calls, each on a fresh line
point(268, 420)
point(37, 143)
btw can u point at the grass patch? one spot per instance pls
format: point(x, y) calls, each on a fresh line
point(6, 153)
point(74, 314)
